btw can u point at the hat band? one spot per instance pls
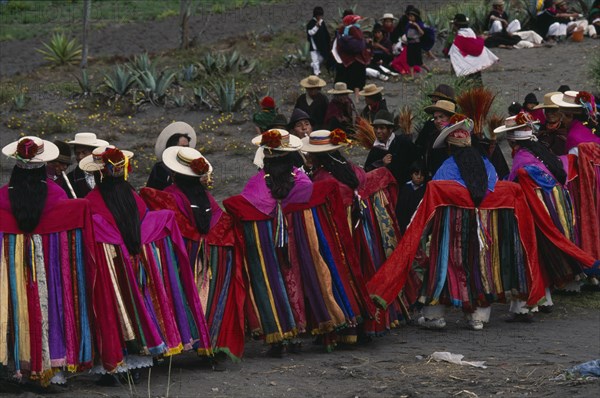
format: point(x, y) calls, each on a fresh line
point(183, 161)
point(460, 142)
point(519, 134)
point(319, 140)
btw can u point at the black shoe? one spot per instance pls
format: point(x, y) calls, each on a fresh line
point(108, 380)
point(546, 309)
point(276, 351)
point(521, 318)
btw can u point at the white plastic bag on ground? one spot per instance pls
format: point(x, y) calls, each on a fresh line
point(456, 359)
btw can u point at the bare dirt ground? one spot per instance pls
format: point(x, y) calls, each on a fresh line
point(521, 359)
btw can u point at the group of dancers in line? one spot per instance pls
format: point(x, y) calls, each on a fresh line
point(115, 279)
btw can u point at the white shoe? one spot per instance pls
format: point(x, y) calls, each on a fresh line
point(383, 77)
point(475, 325)
point(394, 74)
point(434, 323)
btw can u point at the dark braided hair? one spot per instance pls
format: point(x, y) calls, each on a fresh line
point(339, 167)
point(472, 170)
point(278, 175)
point(550, 160)
point(193, 189)
point(120, 201)
point(27, 196)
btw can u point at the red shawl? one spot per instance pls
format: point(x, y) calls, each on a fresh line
point(469, 45)
point(588, 160)
point(391, 277)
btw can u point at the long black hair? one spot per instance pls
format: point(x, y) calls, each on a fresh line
point(278, 175)
point(27, 195)
point(339, 167)
point(472, 170)
point(119, 198)
point(196, 194)
point(550, 160)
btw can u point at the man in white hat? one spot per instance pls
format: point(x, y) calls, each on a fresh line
point(83, 145)
point(313, 101)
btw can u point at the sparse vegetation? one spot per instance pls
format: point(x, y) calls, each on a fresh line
point(61, 50)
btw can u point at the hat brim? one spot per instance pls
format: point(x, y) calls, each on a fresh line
point(169, 158)
point(433, 108)
point(367, 94)
point(310, 148)
point(169, 131)
point(51, 152)
point(503, 129)
point(294, 145)
point(88, 164)
point(96, 144)
point(558, 100)
point(304, 83)
point(381, 122)
point(546, 106)
point(440, 141)
point(334, 91)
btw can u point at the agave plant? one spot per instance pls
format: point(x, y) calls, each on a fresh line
point(227, 96)
point(61, 50)
point(141, 63)
point(84, 83)
point(180, 100)
point(201, 96)
point(120, 81)
point(19, 101)
point(189, 73)
point(155, 86)
point(224, 63)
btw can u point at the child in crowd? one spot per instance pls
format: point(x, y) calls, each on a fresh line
point(411, 194)
point(414, 32)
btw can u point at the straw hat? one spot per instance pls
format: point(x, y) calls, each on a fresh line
point(340, 88)
point(324, 141)
point(95, 161)
point(186, 161)
point(514, 123)
point(370, 89)
point(388, 15)
point(548, 101)
point(278, 140)
point(31, 151)
point(171, 130)
point(442, 106)
point(87, 139)
point(465, 125)
point(566, 100)
point(313, 82)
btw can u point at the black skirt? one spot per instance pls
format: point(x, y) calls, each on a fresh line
point(414, 55)
point(354, 75)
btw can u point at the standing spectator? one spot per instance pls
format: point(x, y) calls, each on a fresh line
point(374, 101)
point(468, 54)
point(441, 111)
point(318, 38)
point(352, 55)
point(414, 31)
point(313, 101)
point(552, 133)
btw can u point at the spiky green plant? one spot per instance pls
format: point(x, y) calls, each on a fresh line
point(227, 96)
point(141, 63)
point(84, 83)
point(61, 50)
point(19, 101)
point(189, 73)
point(119, 82)
point(201, 97)
point(155, 85)
point(180, 100)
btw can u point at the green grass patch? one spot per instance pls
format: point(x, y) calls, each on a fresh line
point(25, 19)
point(585, 299)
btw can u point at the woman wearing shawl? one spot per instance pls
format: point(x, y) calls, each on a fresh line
point(44, 252)
point(209, 240)
point(579, 116)
point(543, 178)
point(482, 239)
point(369, 199)
point(351, 54)
point(145, 293)
point(299, 260)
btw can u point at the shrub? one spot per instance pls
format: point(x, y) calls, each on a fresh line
point(154, 85)
point(84, 83)
point(119, 82)
point(140, 64)
point(224, 94)
point(61, 50)
point(19, 101)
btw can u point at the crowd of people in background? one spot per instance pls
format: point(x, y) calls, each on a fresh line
point(95, 275)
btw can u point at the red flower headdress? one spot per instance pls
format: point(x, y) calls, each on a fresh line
point(26, 149)
point(115, 163)
point(523, 118)
point(199, 166)
point(338, 137)
point(583, 97)
point(271, 139)
point(457, 117)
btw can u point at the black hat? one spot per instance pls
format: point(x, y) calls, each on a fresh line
point(384, 118)
point(564, 88)
point(460, 20)
point(514, 108)
point(297, 115)
point(278, 121)
point(443, 91)
point(530, 99)
point(65, 152)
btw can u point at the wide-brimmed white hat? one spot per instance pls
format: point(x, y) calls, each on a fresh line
point(566, 100)
point(186, 161)
point(171, 130)
point(87, 139)
point(324, 141)
point(465, 124)
point(516, 122)
point(388, 15)
point(370, 89)
point(31, 150)
point(287, 142)
point(313, 82)
point(95, 162)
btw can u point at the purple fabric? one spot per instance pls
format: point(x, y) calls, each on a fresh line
point(56, 337)
point(259, 195)
point(578, 134)
point(184, 204)
point(310, 281)
point(525, 158)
